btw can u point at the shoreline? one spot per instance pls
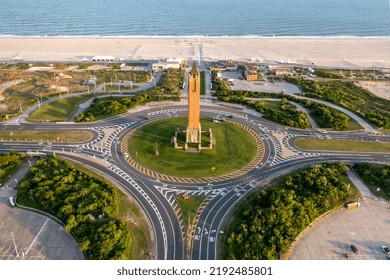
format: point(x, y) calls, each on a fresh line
point(340, 52)
point(10, 36)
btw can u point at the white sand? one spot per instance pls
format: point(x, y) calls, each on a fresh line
point(334, 52)
point(379, 88)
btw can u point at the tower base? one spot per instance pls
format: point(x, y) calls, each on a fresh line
point(194, 135)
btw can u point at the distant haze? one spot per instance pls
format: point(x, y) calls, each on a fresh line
point(195, 17)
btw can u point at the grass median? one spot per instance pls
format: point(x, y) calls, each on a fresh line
point(57, 111)
point(342, 145)
point(73, 136)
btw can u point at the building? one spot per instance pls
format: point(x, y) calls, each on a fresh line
point(194, 130)
point(250, 72)
point(284, 71)
point(223, 66)
point(170, 63)
point(218, 67)
point(103, 58)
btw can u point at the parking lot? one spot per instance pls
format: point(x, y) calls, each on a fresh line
point(31, 236)
point(238, 83)
point(366, 227)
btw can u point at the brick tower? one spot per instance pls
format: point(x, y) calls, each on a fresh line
point(194, 130)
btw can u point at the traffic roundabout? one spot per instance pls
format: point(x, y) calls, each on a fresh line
point(238, 150)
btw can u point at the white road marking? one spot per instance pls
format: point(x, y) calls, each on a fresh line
point(39, 232)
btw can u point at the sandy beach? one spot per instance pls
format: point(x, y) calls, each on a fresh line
point(345, 52)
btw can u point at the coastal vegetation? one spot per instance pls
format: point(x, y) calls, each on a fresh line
point(86, 205)
point(376, 177)
point(325, 116)
point(348, 95)
point(170, 83)
point(167, 89)
point(325, 73)
point(231, 140)
point(117, 88)
point(282, 112)
point(115, 75)
point(23, 85)
point(266, 224)
point(9, 163)
point(111, 106)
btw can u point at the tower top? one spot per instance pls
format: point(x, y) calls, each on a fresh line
point(194, 70)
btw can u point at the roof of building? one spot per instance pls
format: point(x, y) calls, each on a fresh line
point(194, 70)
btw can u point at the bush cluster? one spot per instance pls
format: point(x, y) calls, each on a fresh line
point(267, 224)
point(78, 199)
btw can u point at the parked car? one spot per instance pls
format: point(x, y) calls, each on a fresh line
point(385, 249)
point(354, 248)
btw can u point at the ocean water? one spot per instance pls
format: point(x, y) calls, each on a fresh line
point(195, 17)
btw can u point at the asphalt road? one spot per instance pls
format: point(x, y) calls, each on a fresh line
point(157, 197)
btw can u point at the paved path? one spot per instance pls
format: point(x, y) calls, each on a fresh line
point(99, 89)
point(299, 108)
point(141, 86)
point(363, 123)
point(17, 177)
point(359, 184)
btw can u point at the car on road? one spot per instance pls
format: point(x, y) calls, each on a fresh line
point(354, 248)
point(126, 154)
point(385, 249)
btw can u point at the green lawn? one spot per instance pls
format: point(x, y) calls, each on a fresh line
point(57, 111)
point(46, 135)
point(130, 212)
point(274, 105)
point(342, 145)
point(234, 149)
